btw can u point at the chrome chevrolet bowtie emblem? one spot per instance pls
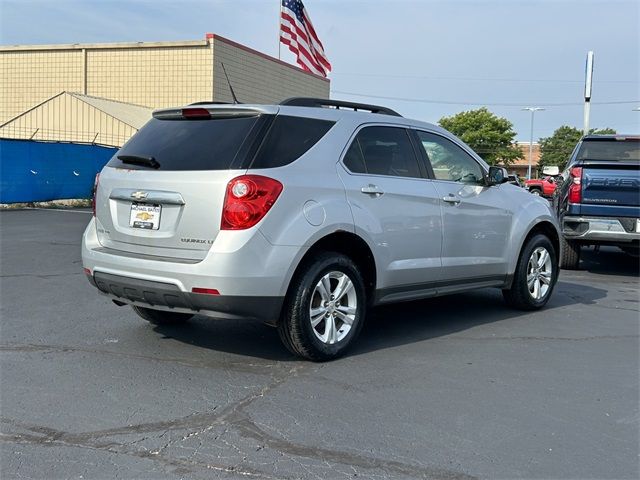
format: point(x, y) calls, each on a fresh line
point(139, 195)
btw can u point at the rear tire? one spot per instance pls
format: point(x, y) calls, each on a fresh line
point(570, 257)
point(324, 309)
point(161, 317)
point(536, 275)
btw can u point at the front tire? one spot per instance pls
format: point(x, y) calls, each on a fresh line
point(536, 192)
point(161, 317)
point(536, 275)
point(325, 308)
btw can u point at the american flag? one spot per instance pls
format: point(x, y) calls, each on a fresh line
point(297, 32)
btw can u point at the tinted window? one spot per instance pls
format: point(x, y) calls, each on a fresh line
point(208, 144)
point(288, 139)
point(609, 149)
point(382, 151)
point(449, 161)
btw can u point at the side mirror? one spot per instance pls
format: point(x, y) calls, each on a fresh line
point(496, 176)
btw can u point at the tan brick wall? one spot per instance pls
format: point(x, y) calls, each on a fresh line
point(257, 79)
point(28, 78)
point(155, 77)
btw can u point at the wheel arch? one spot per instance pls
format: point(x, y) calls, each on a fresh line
point(348, 244)
point(546, 228)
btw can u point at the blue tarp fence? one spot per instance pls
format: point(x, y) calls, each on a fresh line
point(33, 171)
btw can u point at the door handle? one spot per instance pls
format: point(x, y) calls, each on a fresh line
point(451, 199)
point(372, 190)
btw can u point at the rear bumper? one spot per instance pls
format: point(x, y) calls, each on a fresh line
point(251, 275)
point(601, 229)
point(166, 296)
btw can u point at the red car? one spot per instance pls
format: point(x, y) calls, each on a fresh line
point(542, 186)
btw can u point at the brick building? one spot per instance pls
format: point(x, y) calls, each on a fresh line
point(142, 74)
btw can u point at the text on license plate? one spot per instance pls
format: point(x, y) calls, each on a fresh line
point(144, 215)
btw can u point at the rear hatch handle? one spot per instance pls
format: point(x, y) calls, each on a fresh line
point(147, 196)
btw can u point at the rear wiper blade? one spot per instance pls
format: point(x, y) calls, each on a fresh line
point(139, 160)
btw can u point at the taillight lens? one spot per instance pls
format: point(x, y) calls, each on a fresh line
point(95, 192)
point(575, 189)
point(247, 201)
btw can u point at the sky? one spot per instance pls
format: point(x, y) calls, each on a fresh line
point(424, 58)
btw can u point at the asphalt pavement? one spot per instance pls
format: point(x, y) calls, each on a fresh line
point(457, 387)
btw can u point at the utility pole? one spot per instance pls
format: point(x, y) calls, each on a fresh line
point(587, 92)
point(533, 110)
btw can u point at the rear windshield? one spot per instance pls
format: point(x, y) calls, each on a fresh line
point(260, 141)
point(207, 144)
point(610, 149)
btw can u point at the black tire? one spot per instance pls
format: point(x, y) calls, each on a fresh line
point(570, 256)
point(295, 328)
point(161, 317)
point(519, 296)
point(536, 191)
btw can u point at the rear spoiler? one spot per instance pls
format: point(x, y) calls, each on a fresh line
point(212, 110)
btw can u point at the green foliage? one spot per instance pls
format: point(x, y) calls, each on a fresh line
point(556, 149)
point(490, 136)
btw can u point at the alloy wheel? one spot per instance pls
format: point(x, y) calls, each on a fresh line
point(539, 273)
point(334, 304)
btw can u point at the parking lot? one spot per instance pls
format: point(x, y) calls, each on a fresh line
point(456, 387)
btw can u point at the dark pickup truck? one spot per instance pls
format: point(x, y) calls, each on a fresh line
point(598, 197)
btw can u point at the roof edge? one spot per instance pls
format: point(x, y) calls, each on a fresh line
point(99, 46)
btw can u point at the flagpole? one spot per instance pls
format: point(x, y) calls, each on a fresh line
point(279, 23)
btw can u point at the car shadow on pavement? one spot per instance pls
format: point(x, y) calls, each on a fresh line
point(387, 326)
point(398, 324)
point(609, 261)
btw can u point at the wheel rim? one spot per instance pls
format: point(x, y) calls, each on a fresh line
point(539, 273)
point(333, 309)
point(535, 192)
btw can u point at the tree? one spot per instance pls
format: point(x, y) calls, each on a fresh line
point(556, 149)
point(490, 136)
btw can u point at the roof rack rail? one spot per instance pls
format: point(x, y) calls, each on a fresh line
point(338, 104)
point(209, 102)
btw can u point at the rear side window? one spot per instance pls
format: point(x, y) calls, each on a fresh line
point(382, 151)
point(288, 139)
point(207, 144)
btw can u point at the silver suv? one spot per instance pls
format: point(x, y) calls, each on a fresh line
point(305, 214)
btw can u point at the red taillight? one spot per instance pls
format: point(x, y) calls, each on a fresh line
point(195, 113)
point(247, 200)
point(205, 291)
point(95, 192)
point(87, 271)
point(575, 189)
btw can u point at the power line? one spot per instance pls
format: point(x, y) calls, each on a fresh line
point(478, 79)
point(490, 104)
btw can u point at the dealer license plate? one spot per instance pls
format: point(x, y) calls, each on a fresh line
point(144, 215)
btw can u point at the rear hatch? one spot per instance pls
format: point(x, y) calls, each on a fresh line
point(162, 194)
point(610, 176)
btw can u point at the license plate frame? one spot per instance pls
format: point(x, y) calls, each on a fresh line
point(145, 216)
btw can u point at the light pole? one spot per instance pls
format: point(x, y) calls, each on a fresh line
point(533, 110)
